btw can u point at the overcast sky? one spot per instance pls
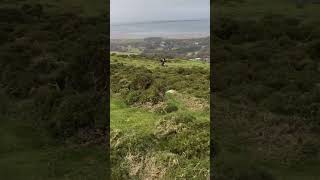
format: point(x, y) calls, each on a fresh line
point(152, 10)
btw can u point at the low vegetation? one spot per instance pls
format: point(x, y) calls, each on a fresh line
point(159, 128)
point(266, 93)
point(52, 107)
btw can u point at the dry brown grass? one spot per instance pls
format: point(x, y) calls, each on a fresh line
point(116, 138)
point(192, 103)
point(167, 127)
point(152, 166)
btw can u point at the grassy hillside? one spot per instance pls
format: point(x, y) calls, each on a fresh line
point(266, 61)
point(52, 115)
point(155, 133)
point(153, 64)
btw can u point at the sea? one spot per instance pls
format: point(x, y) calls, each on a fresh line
point(177, 29)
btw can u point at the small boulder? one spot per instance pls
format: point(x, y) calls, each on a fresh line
point(171, 91)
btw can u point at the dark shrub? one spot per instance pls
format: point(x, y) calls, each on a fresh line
point(142, 79)
point(46, 99)
point(4, 103)
point(75, 112)
point(171, 107)
point(314, 49)
point(155, 93)
point(224, 28)
point(310, 149)
point(276, 102)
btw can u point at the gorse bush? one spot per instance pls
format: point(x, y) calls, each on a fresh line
point(141, 81)
point(141, 85)
point(156, 92)
point(150, 93)
point(170, 107)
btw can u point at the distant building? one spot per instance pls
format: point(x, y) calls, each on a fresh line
point(163, 44)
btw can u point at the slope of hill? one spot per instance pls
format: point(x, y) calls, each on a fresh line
point(52, 115)
point(159, 119)
point(265, 56)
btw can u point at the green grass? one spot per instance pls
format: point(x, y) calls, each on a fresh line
point(167, 145)
point(151, 64)
point(131, 119)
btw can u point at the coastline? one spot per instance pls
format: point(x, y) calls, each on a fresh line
point(166, 35)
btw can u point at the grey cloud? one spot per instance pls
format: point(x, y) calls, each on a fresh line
point(148, 10)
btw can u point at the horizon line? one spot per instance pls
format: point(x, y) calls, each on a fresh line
point(156, 21)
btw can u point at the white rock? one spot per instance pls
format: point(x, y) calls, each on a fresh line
point(171, 91)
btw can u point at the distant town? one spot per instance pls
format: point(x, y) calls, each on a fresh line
point(197, 49)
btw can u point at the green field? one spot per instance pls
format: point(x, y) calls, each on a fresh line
point(152, 64)
point(166, 139)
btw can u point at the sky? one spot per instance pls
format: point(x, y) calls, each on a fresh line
point(124, 11)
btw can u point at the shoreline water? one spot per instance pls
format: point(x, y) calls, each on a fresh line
point(161, 35)
point(183, 29)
